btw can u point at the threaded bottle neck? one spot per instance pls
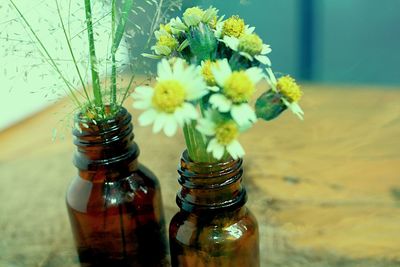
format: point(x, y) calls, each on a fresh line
point(105, 146)
point(210, 186)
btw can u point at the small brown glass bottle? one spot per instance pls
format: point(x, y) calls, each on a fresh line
point(213, 227)
point(114, 204)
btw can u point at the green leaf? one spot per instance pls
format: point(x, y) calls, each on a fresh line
point(119, 33)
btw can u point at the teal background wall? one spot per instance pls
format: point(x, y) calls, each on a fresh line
point(329, 41)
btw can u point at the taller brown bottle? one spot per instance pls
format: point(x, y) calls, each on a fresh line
point(114, 203)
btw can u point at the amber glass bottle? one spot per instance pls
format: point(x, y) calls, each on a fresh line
point(213, 227)
point(114, 203)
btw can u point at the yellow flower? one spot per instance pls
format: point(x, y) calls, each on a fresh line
point(239, 87)
point(223, 136)
point(250, 43)
point(234, 26)
point(166, 28)
point(226, 132)
point(168, 41)
point(168, 96)
point(207, 72)
point(289, 88)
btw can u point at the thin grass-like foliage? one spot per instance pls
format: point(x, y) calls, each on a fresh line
point(93, 95)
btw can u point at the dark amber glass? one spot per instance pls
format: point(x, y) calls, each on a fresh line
point(114, 203)
point(213, 227)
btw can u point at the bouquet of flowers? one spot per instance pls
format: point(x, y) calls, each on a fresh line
point(208, 74)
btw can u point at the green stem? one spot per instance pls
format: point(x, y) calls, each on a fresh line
point(93, 60)
point(127, 89)
point(113, 60)
point(196, 144)
point(118, 33)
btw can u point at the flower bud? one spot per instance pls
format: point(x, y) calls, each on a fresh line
point(269, 105)
point(202, 42)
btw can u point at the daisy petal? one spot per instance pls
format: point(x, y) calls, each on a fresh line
point(235, 149)
point(231, 42)
point(159, 122)
point(190, 112)
point(271, 76)
point(213, 88)
point(246, 55)
point(266, 49)
point(255, 74)
point(243, 114)
point(216, 149)
point(221, 72)
point(164, 70)
point(220, 102)
point(263, 59)
point(206, 127)
point(162, 50)
point(142, 92)
point(141, 104)
point(170, 126)
point(147, 117)
point(249, 30)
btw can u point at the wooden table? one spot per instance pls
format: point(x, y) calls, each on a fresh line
point(326, 191)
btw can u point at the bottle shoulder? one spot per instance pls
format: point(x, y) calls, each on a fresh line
point(139, 188)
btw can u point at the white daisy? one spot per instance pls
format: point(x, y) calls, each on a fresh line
point(233, 26)
point(289, 90)
point(250, 46)
point(224, 137)
point(168, 105)
point(237, 89)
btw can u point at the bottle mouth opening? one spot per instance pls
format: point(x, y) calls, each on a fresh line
point(207, 165)
point(81, 117)
point(84, 126)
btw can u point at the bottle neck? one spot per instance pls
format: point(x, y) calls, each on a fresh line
point(210, 187)
point(105, 149)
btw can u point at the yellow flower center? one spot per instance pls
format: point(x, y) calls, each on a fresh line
point(234, 26)
point(226, 132)
point(207, 73)
point(168, 41)
point(166, 27)
point(250, 43)
point(289, 88)
point(168, 96)
point(239, 87)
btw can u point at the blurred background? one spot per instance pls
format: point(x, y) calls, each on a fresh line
point(329, 42)
point(326, 41)
point(326, 191)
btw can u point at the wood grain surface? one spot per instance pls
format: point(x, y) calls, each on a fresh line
point(326, 191)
